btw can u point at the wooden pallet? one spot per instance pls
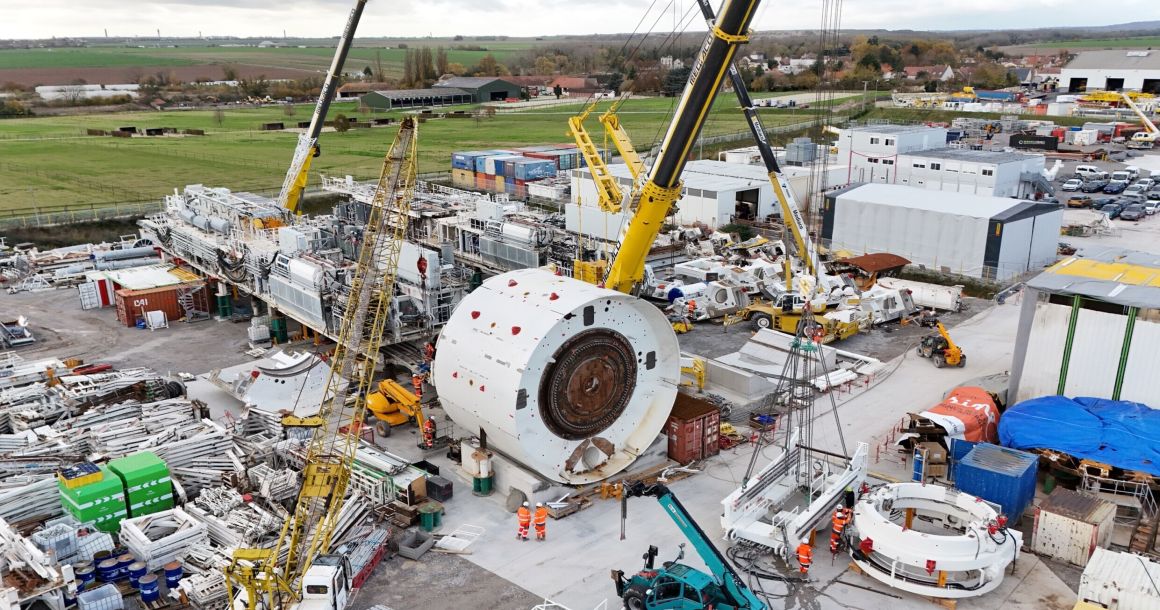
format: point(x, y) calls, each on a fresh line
point(949, 604)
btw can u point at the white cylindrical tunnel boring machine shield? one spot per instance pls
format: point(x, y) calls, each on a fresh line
point(571, 380)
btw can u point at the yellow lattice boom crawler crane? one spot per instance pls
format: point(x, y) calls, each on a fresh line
point(298, 568)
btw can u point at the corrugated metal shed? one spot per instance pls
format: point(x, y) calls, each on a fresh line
point(960, 204)
point(1074, 505)
point(144, 278)
point(1124, 277)
point(1121, 581)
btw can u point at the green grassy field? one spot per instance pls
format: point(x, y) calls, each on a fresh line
point(50, 162)
point(1101, 43)
point(908, 115)
point(85, 58)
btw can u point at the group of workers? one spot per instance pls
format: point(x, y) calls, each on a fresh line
point(539, 519)
point(843, 514)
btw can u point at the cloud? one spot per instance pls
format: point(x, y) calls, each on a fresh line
point(324, 18)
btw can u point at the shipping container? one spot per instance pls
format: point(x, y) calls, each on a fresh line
point(531, 169)
point(693, 429)
point(481, 160)
point(463, 178)
point(1070, 526)
point(1034, 142)
point(483, 182)
point(466, 160)
point(1000, 475)
point(132, 304)
point(1120, 581)
point(498, 184)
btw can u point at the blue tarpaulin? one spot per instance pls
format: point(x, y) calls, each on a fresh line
point(1123, 434)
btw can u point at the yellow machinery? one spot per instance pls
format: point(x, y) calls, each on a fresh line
point(1148, 137)
point(941, 349)
point(609, 196)
point(693, 367)
point(296, 175)
point(290, 570)
point(394, 405)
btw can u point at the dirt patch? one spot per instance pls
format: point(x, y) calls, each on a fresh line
point(130, 74)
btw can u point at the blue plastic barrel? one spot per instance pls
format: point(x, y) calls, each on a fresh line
point(150, 590)
point(137, 569)
point(173, 574)
point(85, 574)
point(108, 570)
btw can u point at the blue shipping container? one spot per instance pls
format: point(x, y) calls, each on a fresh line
point(534, 169)
point(503, 165)
point(483, 156)
point(1000, 475)
point(465, 160)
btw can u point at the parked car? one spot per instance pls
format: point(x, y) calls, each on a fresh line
point(1093, 186)
point(1147, 183)
point(1150, 207)
point(1135, 188)
point(1115, 186)
point(1130, 198)
point(1065, 249)
point(1101, 202)
point(1072, 185)
point(1153, 196)
point(1133, 212)
point(1112, 210)
point(1083, 201)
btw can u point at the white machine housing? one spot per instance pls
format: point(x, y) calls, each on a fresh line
point(571, 380)
point(970, 562)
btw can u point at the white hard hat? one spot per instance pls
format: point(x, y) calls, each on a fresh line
point(525, 503)
point(539, 504)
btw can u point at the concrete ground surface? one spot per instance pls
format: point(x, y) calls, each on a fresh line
point(64, 330)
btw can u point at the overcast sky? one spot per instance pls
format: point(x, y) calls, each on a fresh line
point(320, 18)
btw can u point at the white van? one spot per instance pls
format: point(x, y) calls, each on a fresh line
point(1087, 171)
point(1133, 171)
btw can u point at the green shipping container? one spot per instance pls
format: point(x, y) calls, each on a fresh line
point(101, 503)
point(146, 480)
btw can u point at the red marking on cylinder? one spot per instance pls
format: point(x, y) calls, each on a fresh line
point(481, 388)
point(455, 374)
point(254, 374)
point(515, 330)
point(512, 283)
point(553, 296)
point(474, 315)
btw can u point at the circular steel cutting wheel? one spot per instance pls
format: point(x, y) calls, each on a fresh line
point(588, 385)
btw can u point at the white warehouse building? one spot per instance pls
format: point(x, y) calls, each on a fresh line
point(974, 235)
point(919, 156)
point(1135, 70)
point(715, 193)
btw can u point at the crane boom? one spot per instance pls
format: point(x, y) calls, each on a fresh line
point(790, 212)
point(658, 195)
point(296, 175)
point(1150, 134)
point(331, 453)
point(611, 122)
point(608, 192)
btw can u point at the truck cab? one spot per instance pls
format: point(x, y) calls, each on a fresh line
point(326, 584)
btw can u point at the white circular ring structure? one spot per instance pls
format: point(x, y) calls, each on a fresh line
point(571, 380)
point(967, 562)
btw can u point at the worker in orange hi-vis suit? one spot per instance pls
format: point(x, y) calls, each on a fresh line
point(417, 383)
point(692, 307)
point(837, 524)
point(540, 521)
point(805, 556)
point(524, 519)
point(429, 432)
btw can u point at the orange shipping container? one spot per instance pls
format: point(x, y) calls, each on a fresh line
point(693, 429)
point(131, 304)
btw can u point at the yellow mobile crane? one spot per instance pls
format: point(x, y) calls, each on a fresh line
point(655, 200)
point(609, 195)
point(1148, 137)
point(296, 175)
point(298, 568)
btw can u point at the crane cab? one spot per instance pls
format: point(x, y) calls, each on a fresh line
point(326, 584)
point(674, 587)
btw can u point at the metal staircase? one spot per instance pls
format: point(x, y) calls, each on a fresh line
point(188, 303)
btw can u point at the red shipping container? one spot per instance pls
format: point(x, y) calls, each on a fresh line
point(693, 429)
point(131, 304)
